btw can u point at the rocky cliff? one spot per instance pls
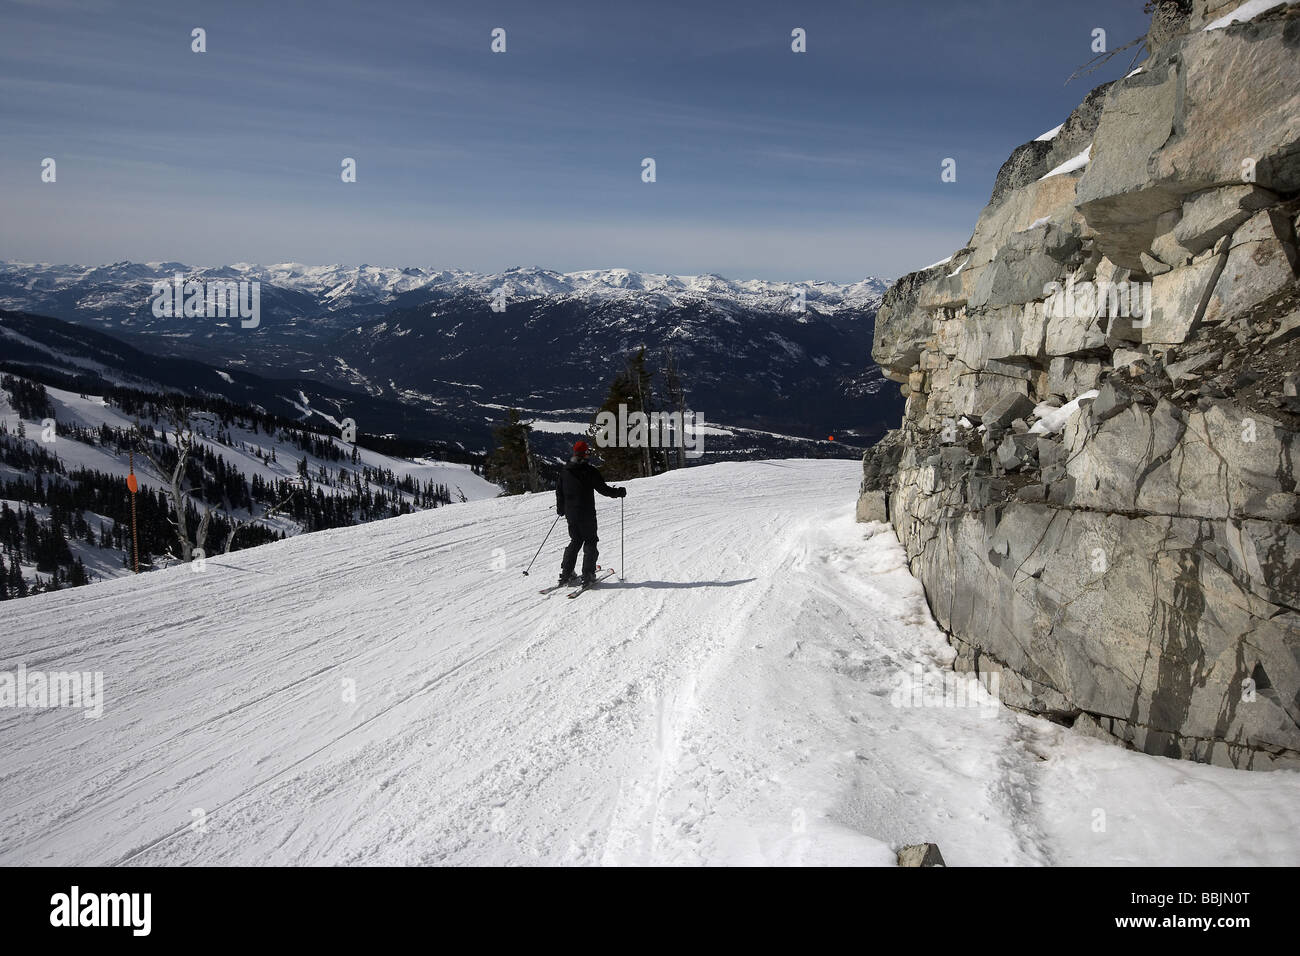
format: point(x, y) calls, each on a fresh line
point(1095, 477)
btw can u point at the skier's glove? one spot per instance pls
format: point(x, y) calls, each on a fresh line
point(622, 492)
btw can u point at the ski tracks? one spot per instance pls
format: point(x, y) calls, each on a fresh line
point(728, 703)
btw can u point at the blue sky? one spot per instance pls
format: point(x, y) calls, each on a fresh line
point(821, 165)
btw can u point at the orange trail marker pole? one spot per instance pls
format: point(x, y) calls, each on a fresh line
point(132, 486)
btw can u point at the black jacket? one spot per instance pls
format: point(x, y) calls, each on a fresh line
point(574, 494)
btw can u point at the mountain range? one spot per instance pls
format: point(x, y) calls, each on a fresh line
point(123, 289)
point(787, 358)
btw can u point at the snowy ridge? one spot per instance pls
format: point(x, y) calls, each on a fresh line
point(734, 702)
point(338, 286)
point(272, 458)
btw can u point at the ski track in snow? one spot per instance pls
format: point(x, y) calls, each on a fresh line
point(728, 704)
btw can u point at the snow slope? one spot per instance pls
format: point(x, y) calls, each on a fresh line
point(93, 410)
point(733, 702)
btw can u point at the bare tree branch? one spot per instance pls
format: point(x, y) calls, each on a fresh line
point(1098, 61)
point(235, 526)
point(174, 483)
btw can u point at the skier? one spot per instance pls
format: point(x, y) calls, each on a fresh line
point(574, 500)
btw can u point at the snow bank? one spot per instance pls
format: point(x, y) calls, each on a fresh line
point(1070, 165)
point(1052, 419)
point(560, 428)
point(1246, 12)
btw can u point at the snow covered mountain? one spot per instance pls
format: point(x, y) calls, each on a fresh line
point(123, 289)
point(779, 357)
point(766, 687)
point(71, 356)
point(802, 374)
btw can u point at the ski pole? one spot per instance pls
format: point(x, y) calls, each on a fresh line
point(542, 545)
point(622, 548)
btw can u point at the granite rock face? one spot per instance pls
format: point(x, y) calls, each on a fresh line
point(1096, 474)
point(920, 854)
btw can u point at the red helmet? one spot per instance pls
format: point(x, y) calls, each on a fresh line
point(579, 449)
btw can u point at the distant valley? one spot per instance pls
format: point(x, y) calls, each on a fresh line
point(422, 354)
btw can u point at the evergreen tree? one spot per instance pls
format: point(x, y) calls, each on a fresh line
point(511, 463)
point(676, 400)
point(632, 390)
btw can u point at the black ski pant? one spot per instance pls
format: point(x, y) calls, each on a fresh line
point(582, 534)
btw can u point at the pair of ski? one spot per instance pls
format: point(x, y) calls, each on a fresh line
point(602, 574)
